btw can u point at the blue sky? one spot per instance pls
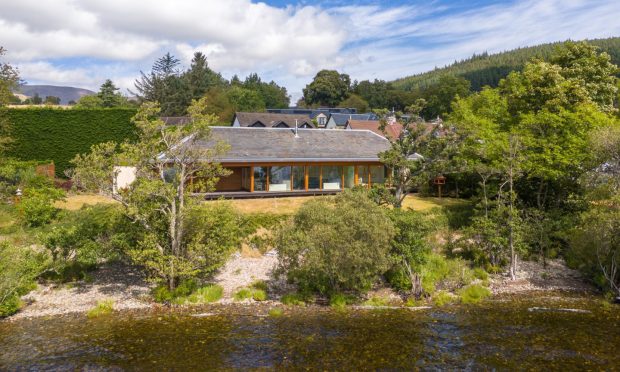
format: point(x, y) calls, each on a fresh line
point(81, 43)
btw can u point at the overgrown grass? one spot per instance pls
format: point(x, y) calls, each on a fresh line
point(293, 299)
point(340, 301)
point(479, 273)
point(243, 294)
point(442, 298)
point(105, 307)
point(474, 293)
point(377, 301)
point(257, 291)
point(276, 312)
point(206, 294)
point(188, 292)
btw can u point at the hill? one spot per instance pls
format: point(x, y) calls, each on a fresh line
point(66, 94)
point(487, 69)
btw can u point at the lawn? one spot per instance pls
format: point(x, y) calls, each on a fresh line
point(75, 202)
point(291, 205)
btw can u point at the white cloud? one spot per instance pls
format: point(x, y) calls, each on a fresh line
point(83, 42)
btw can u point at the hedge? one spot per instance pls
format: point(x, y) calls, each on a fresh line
point(56, 134)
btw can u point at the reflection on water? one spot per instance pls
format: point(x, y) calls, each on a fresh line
point(498, 334)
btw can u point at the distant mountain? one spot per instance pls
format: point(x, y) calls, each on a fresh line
point(66, 94)
point(487, 69)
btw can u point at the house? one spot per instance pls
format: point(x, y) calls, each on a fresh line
point(392, 130)
point(271, 120)
point(283, 161)
point(339, 121)
point(319, 115)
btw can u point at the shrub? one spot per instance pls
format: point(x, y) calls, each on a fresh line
point(293, 299)
point(206, 294)
point(480, 274)
point(19, 267)
point(441, 298)
point(243, 294)
point(377, 301)
point(105, 307)
point(474, 293)
point(37, 205)
point(276, 312)
point(340, 301)
point(259, 295)
point(335, 244)
point(162, 294)
point(259, 285)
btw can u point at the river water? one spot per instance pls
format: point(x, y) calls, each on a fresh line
point(526, 332)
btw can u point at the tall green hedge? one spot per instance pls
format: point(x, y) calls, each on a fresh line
point(59, 134)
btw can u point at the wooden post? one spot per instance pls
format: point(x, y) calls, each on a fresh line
point(355, 176)
point(342, 177)
point(320, 177)
point(251, 179)
point(306, 177)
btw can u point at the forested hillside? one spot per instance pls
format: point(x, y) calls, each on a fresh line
point(485, 69)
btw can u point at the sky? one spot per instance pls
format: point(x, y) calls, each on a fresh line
point(81, 43)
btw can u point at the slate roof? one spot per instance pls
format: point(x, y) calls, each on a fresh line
point(176, 120)
point(341, 119)
point(313, 113)
point(248, 119)
point(391, 130)
point(280, 145)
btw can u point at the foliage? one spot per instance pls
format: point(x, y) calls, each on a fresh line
point(442, 298)
point(480, 274)
point(293, 299)
point(105, 307)
point(328, 89)
point(19, 267)
point(157, 200)
point(187, 292)
point(356, 102)
point(243, 294)
point(9, 80)
point(339, 301)
point(242, 99)
point(439, 97)
point(335, 245)
point(58, 135)
point(257, 291)
point(487, 70)
point(276, 312)
point(107, 97)
point(85, 238)
point(473, 294)
point(377, 301)
point(37, 205)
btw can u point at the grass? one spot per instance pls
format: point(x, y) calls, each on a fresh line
point(340, 301)
point(290, 205)
point(75, 202)
point(376, 301)
point(480, 274)
point(442, 298)
point(105, 307)
point(257, 291)
point(293, 299)
point(206, 294)
point(276, 312)
point(472, 294)
point(243, 294)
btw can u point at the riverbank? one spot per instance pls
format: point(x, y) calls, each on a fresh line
point(127, 288)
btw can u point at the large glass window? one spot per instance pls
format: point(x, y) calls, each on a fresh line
point(299, 178)
point(349, 176)
point(314, 177)
point(377, 175)
point(260, 178)
point(332, 177)
point(362, 175)
point(280, 178)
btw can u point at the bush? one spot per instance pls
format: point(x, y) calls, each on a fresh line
point(276, 312)
point(105, 307)
point(162, 294)
point(480, 274)
point(474, 293)
point(339, 301)
point(259, 285)
point(259, 295)
point(441, 298)
point(207, 294)
point(243, 294)
point(19, 267)
point(293, 299)
point(335, 244)
point(37, 205)
point(377, 301)
point(186, 292)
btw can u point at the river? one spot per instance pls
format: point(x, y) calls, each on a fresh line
point(525, 332)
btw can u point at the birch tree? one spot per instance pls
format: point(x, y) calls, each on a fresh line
point(169, 162)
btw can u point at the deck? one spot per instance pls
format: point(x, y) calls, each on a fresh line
point(262, 194)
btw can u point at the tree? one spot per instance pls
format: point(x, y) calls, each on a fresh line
point(166, 160)
point(439, 97)
point(165, 86)
point(328, 88)
point(9, 80)
point(336, 245)
point(110, 96)
point(356, 102)
point(36, 99)
point(200, 78)
point(51, 100)
point(242, 99)
point(89, 102)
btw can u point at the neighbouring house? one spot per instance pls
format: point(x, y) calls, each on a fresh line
point(339, 121)
point(284, 161)
point(392, 130)
point(319, 115)
point(271, 120)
